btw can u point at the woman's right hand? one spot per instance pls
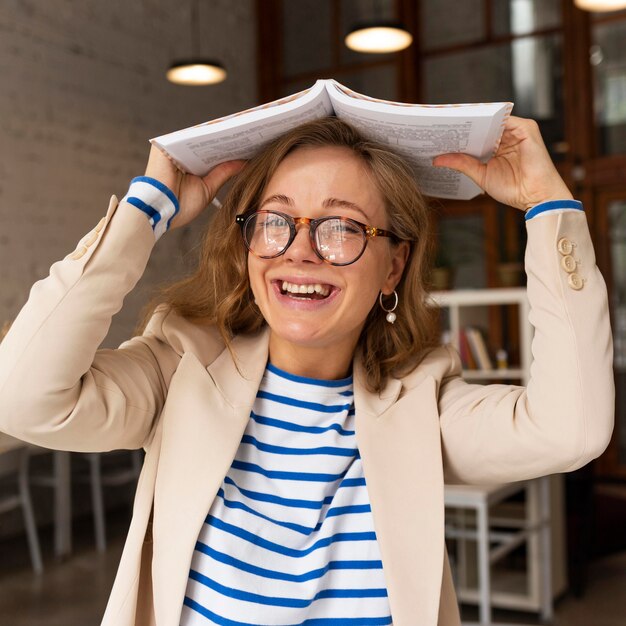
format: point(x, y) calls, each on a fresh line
point(194, 193)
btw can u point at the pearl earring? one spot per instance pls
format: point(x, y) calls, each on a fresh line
point(391, 316)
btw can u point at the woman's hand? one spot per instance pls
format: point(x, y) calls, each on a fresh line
point(194, 193)
point(521, 174)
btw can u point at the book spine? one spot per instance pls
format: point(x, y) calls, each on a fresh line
point(467, 357)
point(479, 349)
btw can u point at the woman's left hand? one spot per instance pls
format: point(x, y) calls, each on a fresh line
point(520, 174)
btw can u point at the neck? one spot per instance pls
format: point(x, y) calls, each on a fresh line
point(323, 363)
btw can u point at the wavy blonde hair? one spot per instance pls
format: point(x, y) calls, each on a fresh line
point(218, 291)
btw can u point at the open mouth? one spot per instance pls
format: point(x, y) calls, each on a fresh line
point(308, 291)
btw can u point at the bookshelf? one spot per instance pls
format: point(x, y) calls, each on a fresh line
point(461, 305)
point(486, 523)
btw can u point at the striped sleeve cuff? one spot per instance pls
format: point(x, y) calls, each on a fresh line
point(155, 199)
point(552, 206)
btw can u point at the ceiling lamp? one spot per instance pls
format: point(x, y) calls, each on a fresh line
point(378, 35)
point(600, 5)
point(196, 70)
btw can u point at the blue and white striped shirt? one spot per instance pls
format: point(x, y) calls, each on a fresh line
point(290, 538)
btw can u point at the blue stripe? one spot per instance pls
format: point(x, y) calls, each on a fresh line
point(265, 497)
point(267, 573)
point(294, 503)
point(551, 205)
point(353, 482)
point(276, 575)
point(299, 528)
point(352, 508)
point(276, 423)
point(235, 504)
point(343, 382)
point(313, 406)
point(281, 475)
point(296, 603)
point(146, 208)
point(266, 447)
point(275, 547)
point(160, 186)
point(340, 621)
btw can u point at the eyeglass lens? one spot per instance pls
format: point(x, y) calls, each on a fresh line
point(336, 240)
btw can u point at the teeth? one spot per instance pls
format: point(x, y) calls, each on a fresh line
point(323, 290)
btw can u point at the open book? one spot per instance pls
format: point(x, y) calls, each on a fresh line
point(419, 132)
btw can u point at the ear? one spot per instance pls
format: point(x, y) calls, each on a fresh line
point(399, 257)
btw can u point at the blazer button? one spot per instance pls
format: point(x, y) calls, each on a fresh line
point(100, 224)
point(564, 246)
point(78, 253)
point(575, 282)
point(568, 263)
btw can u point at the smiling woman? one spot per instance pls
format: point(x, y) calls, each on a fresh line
point(299, 419)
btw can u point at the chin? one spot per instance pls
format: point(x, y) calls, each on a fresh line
point(301, 334)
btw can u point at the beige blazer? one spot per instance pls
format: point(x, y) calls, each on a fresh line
point(178, 393)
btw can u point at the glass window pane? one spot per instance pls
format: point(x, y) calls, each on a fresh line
point(450, 22)
point(521, 17)
point(462, 249)
point(307, 28)
point(378, 82)
point(617, 239)
point(527, 71)
point(608, 58)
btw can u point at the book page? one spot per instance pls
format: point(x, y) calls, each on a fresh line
point(421, 132)
point(239, 136)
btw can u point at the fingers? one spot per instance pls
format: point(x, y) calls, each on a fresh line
point(220, 174)
point(161, 167)
point(464, 163)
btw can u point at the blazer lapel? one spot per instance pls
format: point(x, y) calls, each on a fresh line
point(203, 421)
point(399, 443)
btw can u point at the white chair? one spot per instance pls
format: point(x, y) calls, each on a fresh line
point(60, 479)
point(469, 517)
point(115, 476)
point(14, 460)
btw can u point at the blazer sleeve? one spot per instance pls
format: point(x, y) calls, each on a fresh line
point(564, 417)
point(57, 389)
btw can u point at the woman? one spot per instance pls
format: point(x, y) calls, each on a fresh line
point(290, 396)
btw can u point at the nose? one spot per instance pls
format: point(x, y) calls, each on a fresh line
point(301, 249)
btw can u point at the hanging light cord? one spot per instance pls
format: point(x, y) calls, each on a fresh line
point(195, 29)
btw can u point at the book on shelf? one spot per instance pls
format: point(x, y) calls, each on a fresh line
point(478, 348)
point(465, 351)
point(418, 132)
point(462, 344)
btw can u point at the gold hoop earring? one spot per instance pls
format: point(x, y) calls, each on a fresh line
point(391, 316)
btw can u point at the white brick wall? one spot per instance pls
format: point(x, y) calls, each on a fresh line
point(82, 89)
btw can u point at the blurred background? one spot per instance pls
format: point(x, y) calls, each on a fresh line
point(83, 87)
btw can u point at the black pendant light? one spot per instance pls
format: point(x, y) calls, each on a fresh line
point(378, 35)
point(196, 70)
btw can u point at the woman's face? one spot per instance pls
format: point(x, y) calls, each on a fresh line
point(316, 182)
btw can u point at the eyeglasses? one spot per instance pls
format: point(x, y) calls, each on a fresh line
point(334, 239)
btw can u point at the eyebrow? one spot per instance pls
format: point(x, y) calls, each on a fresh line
point(327, 204)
